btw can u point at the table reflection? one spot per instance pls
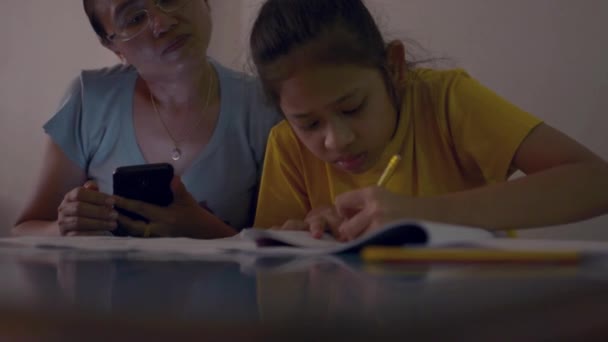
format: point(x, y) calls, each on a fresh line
point(328, 293)
point(137, 286)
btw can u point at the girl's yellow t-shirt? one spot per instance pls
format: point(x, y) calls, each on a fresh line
point(453, 134)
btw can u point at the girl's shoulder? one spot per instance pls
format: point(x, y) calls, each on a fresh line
point(283, 138)
point(435, 77)
point(282, 133)
point(437, 85)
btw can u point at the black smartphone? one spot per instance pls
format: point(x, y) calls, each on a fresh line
point(149, 183)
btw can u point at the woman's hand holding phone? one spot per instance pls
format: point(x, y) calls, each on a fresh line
point(183, 217)
point(86, 211)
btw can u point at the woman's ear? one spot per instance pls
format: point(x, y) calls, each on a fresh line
point(108, 44)
point(395, 59)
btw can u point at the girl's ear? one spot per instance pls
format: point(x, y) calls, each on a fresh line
point(395, 55)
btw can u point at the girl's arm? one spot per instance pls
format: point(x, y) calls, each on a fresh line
point(565, 182)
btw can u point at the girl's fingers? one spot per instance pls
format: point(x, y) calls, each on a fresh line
point(295, 225)
point(317, 227)
point(356, 225)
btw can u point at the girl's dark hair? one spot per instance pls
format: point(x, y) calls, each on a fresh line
point(89, 9)
point(343, 31)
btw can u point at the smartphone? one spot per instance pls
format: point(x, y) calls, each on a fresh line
point(149, 183)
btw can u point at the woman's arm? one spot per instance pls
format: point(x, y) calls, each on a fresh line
point(59, 179)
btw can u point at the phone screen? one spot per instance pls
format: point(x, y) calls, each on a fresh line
point(149, 183)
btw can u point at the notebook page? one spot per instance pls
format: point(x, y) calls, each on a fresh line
point(130, 244)
point(298, 238)
point(442, 234)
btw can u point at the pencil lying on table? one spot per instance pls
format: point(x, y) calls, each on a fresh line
point(465, 255)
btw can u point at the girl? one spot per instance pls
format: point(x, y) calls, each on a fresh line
point(351, 102)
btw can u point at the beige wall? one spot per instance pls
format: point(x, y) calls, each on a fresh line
point(547, 56)
point(44, 44)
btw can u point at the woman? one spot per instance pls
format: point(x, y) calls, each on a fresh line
point(167, 103)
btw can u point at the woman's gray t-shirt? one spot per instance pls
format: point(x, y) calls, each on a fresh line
point(94, 128)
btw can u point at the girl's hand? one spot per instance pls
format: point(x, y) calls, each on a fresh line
point(181, 218)
point(324, 219)
point(86, 211)
point(370, 208)
point(318, 221)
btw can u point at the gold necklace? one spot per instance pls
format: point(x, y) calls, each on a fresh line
point(176, 153)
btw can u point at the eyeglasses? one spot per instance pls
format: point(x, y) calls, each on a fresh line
point(133, 20)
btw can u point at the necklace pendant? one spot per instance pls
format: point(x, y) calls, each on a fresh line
point(176, 154)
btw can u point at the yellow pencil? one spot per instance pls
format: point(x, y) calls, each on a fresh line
point(389, 170)
point(460, 255)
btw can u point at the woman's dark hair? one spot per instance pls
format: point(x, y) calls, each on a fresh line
point(89, 9)
point(343, 31)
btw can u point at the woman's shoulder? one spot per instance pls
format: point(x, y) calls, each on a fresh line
point(246, 97)
point(107, 77)
point(235, 77)
point(91, 84)
point(99, 96)
point(96, 79)
point(100, 84)
point(243, 86)
point(116, 70)
point(92, 107)
point(107, 88)
point(245, 109)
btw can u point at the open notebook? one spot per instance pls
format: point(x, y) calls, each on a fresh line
point(395, 234)
point(266, 242)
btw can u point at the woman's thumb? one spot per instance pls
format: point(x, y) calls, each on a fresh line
point(180, 193)
point(91, 185)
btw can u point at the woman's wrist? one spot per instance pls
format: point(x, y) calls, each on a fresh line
point(209, 226)
point(36, 227)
